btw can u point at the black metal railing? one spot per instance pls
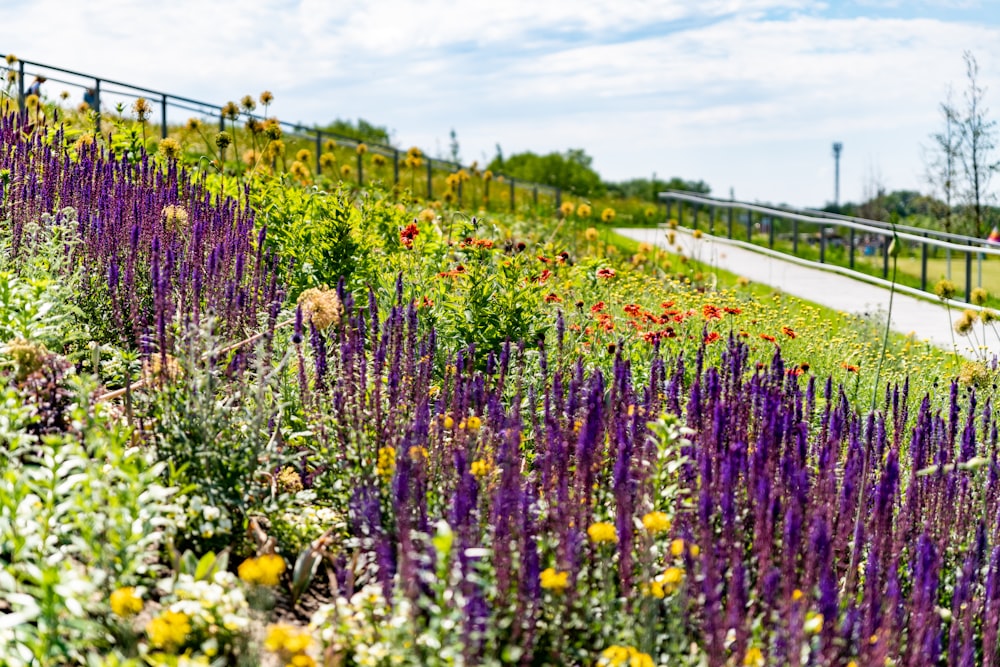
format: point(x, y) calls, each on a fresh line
point(103, 91)
point(857, 244)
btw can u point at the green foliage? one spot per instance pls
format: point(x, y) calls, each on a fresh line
point(361, 130)
point(645, 188)
point(314, 231)
point(571, 171)
point(81, 514)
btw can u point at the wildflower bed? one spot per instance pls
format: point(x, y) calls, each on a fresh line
point(287, 425)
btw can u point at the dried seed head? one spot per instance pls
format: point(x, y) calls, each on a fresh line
point(272, 128)
point(304, 155)
point(321, 306)
point(222, 140)
point(155, 370)
point(175, 218)
point(193, 123)
point(248, 103)
point(230, 111)
point(361, 149)
point(142, 109)
point(170, 148)
point(11, 59)
point(28, 356)
point(266, 97)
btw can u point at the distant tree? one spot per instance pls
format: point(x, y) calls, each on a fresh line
point(942, 161)
point(978, 137)
point(571, 171)
point(453, 147)
point(361, 130)
point(645, 188)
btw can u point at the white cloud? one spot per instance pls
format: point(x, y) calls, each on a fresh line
point(711, 90)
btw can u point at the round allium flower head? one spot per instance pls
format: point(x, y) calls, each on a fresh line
point(988, 316)
point(979, 296)
point(142, 108)
point(125, 602)
point(329, 145)
point(83, 108)
point(945, 289)
point(64, 95)
point(230, 110)
point(608, 214)
point(223, 139)
point(414, 152)
point(193, 124)
point(272, 128)
point(327, 160)
point(11, 76)
point(345, 170)
point(11, 59)
point(28, 356)
point(602, 532)
point(964, 324)
point(254, 126)
point(266, 97)
point(31, 101)
point(83, 142)
point(567, 208)
point(591, 233)
point(304, 155)
point(250, 157)
point(378, 159)
point(175, 217)
point(583, 211)
point(321, 306)
point(170, 148)
point(300, 171)
point(248, 103)
point(275, 148)
point(361, 149)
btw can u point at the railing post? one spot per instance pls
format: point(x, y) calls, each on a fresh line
point(749, 226)
point(395, 166)
point(430, 183)
point(97, 104)
point(512, 206)
point(694, 216)
point(460, 192)
point(319, 148)
point(163, 116)
point(851, 251)
point(680, 212)
point(361, 172)
point(711, 220)
point(770, 231)
point(534, 195)
point(20, 86)
point(968, 277)
point(795, 236)
point(923, 265)
point(885, 257)
point(729, 224)
point(822, 244)
point(558, 198)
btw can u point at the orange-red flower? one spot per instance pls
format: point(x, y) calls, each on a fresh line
point(768, 338)
point(552, 297)
point(788, 331)
point(605, 273)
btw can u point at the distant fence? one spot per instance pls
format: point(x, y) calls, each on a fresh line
point(107, 91)
point(858, 244)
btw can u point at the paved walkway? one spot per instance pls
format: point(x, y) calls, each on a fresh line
point(821, 284)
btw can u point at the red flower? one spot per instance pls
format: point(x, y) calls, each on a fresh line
point(712, 337)
point(597, 307)
point(545, 275)
point(552, 297)
point(605, 273)
point(711, 312)
point(768, 338)
point(788, 331)
point(408, 234)
point(732, 311)
point(850, 368)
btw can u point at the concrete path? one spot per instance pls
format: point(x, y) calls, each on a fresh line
point(823, 284)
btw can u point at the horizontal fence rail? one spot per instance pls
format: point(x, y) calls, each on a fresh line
point(104, 92)
point(857, 244)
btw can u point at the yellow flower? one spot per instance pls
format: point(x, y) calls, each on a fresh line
point(964, 323)
point(608, 214)
point(672, 579)
point(168, 630)
point(277, 634)
point(345, 170)
point(170, 149)
point(125, 603)
point(602, 532)
point(271, 568)
point(386, 465)
point(813, 624)
point(448, 422)
point(978, 296)
point(945, 289)
point(303, 155)
point(479, 468)
point(553, 580)
point(567, 208)
point(697, 233)
point(473, 423)
point(301, 660)
point(656, 522)
point(361, 149)
point(418, 453)
point(677, 547)
point(590, 234)
point(753, 657)
point(583, 211)
point(796, 595)
point(625, 656)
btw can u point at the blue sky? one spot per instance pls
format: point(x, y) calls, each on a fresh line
point(743, 94)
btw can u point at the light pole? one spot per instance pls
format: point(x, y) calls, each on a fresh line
point(837, 147)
